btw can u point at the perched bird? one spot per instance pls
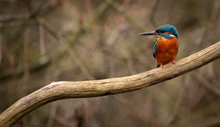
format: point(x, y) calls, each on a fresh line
point(165, 47)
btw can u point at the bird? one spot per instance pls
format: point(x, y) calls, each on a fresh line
point(165, 48)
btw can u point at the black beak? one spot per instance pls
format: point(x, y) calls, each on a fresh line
point(148, 33)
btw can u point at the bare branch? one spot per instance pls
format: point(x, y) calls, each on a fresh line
point(80, 89)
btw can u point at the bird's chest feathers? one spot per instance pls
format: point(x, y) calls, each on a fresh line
point(167, 50)
point(165, 45)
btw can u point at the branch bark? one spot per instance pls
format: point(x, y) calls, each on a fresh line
point(81, 89)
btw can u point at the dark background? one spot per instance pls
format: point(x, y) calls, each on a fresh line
point(51, 40)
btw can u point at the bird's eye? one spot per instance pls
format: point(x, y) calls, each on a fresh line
point(159, 31)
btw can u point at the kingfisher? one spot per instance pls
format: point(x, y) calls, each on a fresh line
point(165, 48)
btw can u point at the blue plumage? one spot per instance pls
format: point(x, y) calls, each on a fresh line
point(167, 28)
point(155, 49)
point(166, 36)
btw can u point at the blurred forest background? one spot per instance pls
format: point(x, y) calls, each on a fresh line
point(51, 40)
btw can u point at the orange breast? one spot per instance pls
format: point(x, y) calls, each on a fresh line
point(167, 50)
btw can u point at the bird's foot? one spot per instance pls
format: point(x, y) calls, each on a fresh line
point(173, 62)
point(162, 66)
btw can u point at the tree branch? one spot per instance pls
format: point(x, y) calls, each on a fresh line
point(80, 89)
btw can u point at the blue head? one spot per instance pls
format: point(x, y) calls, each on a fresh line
point(166, 31)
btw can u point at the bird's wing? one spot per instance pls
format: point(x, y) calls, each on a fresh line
point(155, 49)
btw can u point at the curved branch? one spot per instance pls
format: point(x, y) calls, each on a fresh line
point(79, 89)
